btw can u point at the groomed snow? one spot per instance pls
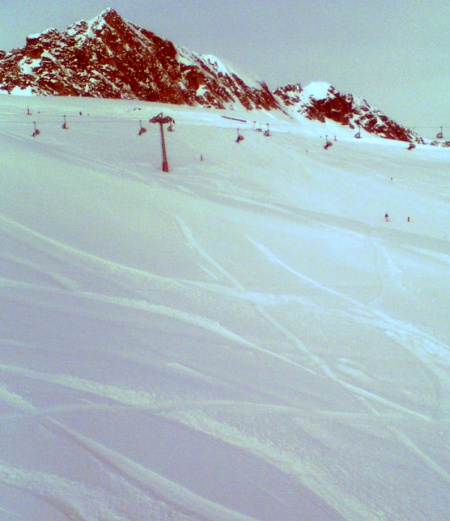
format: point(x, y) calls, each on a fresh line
point(242, 339)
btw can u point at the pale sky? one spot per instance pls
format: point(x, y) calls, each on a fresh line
point(393, 53)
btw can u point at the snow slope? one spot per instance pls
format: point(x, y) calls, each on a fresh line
point(244, 338)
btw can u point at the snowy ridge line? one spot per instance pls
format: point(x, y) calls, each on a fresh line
point(260, 118)
point(146, 66)
point(277, 122)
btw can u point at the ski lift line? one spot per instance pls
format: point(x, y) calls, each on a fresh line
point(109, 118)
point(87, 119)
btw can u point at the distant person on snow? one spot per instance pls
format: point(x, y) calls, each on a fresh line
point(386, 216)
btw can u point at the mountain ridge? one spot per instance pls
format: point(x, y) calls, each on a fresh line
point(110, 57)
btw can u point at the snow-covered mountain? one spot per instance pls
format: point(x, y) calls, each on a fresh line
point(321, 101)
point(110, 57)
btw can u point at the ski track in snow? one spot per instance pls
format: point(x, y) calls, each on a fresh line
point(204, 345)
point(317, 362)
point(366, 396)
point(177, 497)
point(421, 345)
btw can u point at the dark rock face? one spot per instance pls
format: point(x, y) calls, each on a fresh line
point(343, 109)
point(111, 58)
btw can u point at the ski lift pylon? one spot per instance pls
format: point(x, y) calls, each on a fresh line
point(161, 120)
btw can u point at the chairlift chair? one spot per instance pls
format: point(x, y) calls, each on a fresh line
point(142, 130)
point(328, 143)
point(36, 130)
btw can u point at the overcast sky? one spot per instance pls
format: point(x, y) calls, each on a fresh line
point(393, 53)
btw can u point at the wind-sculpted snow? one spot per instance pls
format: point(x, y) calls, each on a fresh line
point(244, 338)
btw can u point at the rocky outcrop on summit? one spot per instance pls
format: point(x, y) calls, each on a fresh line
point(111, 58)
point(320, 101)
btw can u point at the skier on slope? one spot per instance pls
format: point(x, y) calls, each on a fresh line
point(386, 216)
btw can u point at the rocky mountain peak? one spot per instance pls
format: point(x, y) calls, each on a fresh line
point(321, 101)
point(110, 57)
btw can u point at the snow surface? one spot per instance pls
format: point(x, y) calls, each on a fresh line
point(228, 68)
point(317, 90)
point(244, 338)
point(27, 66)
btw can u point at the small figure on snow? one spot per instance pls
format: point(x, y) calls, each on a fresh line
point(386, 216)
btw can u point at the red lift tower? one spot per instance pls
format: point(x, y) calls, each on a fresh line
point(162, 120)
